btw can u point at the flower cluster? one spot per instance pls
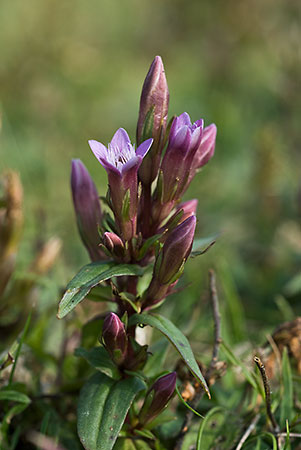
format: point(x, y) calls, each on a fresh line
point(147, 224)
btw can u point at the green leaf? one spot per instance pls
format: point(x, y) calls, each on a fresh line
point(102, 409)
point(147, 244)
point(293, 287)
point(131, 444)
point(287, 402)
point(200, 245)
point(91, 331)
point(14, 396)
point(287, 445)
point(147, 130)
point(271, 438)
point(233, 311)
point(250, 376)
point(146, 434)
point(208, 416)
point(157, 354)
point(163, 418)
point(125, 210)
point(90, 276)
point(101, 294)
point(186, 404)
point(285, 308)
point(129, 298)
point(177, 338)
point(14, 411)
point(99, 358)
point(18, 351)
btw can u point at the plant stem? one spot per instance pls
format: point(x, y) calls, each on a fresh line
point(19, 348)
point(267, 391)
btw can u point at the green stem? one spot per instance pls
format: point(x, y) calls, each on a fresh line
point(19, 348)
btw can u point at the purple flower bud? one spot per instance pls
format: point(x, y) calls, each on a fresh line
point(204, 152)
point(152, 119)
point(87, 208)
point(206, 149)
point(170, 263)
point(114, 244)
point(184, 140)
point(122, 163)
point(115, 338)
point(157, 397)
point(176, 250)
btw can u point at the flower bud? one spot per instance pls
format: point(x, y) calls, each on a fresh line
point(175, 251)
point(204, 152)
point(87, 208)
point(184, 141)
point(157, 397)
point(114, 338)
point(152, 119)
point(114, 244)
point(170, 262)
point(206, 149)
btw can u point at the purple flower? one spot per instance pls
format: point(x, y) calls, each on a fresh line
point(87, 208)
point(152, 119)
point(122, 162)
point(157, 397)
point(184, 141)
point(115, 338)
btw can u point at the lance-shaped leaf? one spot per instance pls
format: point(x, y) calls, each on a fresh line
point(90, 276)
point(102, 409)
point(178, 340)
point(202, 245)
point(14, 396)
point(99, 358)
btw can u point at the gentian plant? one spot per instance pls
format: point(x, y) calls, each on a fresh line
point(138, 242)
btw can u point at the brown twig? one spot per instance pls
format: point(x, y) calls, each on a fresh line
point(214, 358)
point(267, 391)
point(248, 432)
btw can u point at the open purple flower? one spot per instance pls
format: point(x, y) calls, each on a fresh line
point(122, 162)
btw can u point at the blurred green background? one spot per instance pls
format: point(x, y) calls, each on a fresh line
point(73, 70)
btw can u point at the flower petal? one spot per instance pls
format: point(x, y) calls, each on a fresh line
point(135, 161)
point(182, 139)
point(184, 119)
point(120, 139)
point(196, 138)
point(144, 148)
point(198, 123)
point(206, 149)
point(101, 152)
